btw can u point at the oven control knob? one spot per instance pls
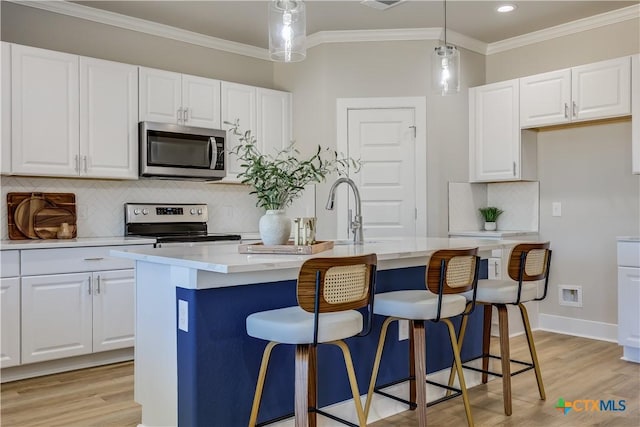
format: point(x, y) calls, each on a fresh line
point(192, 211)
point(145, 211)
point(199, 211)
point(136, 211)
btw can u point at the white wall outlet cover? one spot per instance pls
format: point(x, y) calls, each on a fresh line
point(183, 315)
point(556, 209)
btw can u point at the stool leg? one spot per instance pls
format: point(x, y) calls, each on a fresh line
point(352, 381)
point(458, 365)
point(463, 330)
point(420, 356)
point(302, 385)
point(259, 386)
point(486, 341)
point(503, 322)
point(412, 366)
point(532, 350)
point(376, 363)
point(312, 390)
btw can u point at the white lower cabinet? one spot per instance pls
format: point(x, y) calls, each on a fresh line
point(9, 322)
point(67, 315)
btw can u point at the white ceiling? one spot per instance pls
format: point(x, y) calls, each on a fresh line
point(245, 21)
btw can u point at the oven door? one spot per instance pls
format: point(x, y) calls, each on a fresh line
point(181, 152)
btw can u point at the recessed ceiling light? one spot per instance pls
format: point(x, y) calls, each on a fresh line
point(506, 8)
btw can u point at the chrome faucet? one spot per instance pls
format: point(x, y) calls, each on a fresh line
point(356, 224)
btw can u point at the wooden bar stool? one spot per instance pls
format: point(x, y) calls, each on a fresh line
point(450, 273)
point(330, 291)
point(528, 263)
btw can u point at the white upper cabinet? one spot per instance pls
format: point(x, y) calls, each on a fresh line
point(45, 112)
point(169, 97)
point(635, 113)
point(5, 99)
point(72, 116)
point(108, 119)
point(265, 112)
point(588, 92)
point(494, 132)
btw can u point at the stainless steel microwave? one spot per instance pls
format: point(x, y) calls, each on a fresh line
point(172, 151)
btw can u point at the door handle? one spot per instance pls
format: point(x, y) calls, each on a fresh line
point(186, 115)
point(84, 160)
point(566, 110)
point(179, 114)
point(98, 285)
point(77, 163)
point(90, 285)
point(575, 109)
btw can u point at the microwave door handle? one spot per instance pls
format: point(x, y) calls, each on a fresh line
point(213, 152)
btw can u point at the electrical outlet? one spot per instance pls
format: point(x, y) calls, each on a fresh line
point(183, 315)
point(556, 209)
point(403, 330)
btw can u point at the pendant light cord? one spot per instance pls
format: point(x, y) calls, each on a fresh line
point(445, 22)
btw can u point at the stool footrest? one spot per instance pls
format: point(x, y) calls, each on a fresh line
point(456, 392)
point(528, 365)
point(333, 417)
point(275, 420)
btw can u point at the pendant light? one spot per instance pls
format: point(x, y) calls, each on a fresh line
point(445, 65)
point(287, 30)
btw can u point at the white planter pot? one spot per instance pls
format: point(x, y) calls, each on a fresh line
point(275, 227)
point(490, 226)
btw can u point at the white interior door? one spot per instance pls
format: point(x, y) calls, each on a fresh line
point(384, 140)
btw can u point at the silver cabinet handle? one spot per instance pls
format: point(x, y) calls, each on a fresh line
point(77, 161)
point(179, 115)
point(566, 110)
point(514, 168)
point(575, 109)
point(94, 259)
point(90, 285)
point(495, 269)
point(186, 115)
point(84, 160)
point(98, 285)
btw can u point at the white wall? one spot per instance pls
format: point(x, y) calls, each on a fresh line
point(588, 169)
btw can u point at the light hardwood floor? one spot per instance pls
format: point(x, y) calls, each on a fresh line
point(573, 368)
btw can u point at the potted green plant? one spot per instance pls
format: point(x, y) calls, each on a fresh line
point(490, 215)
point(280, 178)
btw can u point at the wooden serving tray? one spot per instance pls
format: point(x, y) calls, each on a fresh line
point(24, 222)
point(288, 249)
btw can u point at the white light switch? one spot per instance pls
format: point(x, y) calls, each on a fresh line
point(183, 315)
point(556, 209)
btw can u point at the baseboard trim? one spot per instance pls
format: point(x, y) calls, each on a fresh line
point(31, 370)
point(578, 327)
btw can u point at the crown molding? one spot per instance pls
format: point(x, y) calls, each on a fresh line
point(321, 37)
point(405, 34)
point(146, 27)
point(596, 21)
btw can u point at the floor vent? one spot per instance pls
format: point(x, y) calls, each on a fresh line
point(381, 4)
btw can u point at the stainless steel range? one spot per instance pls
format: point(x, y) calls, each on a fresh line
point(172, 224)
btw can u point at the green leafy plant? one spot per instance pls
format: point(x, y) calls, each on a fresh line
point(278, 179)
point(491, 213)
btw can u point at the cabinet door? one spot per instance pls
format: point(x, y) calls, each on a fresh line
point(635, 113)
point(273, 119)
point(160, 96)
point(5, 100)
point(10, 322)
point(201, 101)
point(56, 316)
point(628, 303)
point(45, 117)
point(494, 132)
point(113, 310)
point(108, 119)
point(238, 103)
point(545, 99)
point(602, 89)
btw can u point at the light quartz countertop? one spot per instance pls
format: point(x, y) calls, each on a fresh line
point(226, 259)
point(482, 234)
point(73, 243)
point(628, 238)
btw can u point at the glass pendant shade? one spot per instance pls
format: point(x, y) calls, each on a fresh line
point(287, 30)
point(445, 70)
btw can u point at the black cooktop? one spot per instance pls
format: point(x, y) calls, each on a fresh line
point(215, 237)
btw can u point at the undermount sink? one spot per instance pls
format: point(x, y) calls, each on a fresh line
point(350, 242)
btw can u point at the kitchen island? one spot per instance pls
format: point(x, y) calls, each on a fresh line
point(195, 364)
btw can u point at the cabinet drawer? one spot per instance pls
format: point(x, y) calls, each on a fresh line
point(10, 263)
point(72, 260)
point(629, 254)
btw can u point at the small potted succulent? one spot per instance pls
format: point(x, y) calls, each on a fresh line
point(490, 215)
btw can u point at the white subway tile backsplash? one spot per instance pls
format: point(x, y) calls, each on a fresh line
point(100, 203)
